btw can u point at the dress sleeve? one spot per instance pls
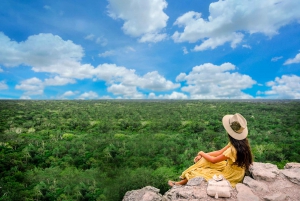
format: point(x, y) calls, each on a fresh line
point(230, 152)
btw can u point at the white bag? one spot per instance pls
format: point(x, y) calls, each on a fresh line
point(219, 187)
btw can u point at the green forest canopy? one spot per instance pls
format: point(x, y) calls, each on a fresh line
point(99, 149)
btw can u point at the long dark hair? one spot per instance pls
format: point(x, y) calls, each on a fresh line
point(244, 154)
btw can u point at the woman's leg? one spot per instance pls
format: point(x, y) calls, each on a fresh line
point(182, 182)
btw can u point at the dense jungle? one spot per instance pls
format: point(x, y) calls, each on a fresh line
point(100, 149)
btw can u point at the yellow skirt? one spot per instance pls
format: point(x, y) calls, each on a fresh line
point(207, 170)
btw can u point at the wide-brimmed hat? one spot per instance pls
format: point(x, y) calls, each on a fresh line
point(236, 126)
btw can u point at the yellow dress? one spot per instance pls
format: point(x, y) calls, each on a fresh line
point(207, 170)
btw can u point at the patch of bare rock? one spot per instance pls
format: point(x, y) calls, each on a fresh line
point(265, 183)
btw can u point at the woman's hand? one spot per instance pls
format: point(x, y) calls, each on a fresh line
point(197, 158)
point(200, 152)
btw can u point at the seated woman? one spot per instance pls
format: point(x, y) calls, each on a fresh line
point(231, 161)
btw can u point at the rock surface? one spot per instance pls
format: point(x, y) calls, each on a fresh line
point(293, 175)
point(245, 193)
point(264, 171)
point(256, 185)
point(147, 193)
point(265, 183)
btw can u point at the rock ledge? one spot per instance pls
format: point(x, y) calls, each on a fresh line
point(266, 182)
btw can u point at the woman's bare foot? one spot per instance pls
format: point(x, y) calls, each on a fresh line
point(171, 183)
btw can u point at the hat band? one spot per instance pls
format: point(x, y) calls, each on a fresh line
point(236, 127)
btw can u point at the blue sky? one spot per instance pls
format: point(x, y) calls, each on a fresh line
point(150, 49)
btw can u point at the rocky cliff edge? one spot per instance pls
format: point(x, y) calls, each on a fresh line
point(265, 182)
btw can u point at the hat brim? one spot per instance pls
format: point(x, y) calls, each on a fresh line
point(232, 133)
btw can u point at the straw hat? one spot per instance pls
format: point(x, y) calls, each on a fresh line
point(236, 126)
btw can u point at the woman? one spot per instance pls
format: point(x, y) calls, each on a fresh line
point(232, 161)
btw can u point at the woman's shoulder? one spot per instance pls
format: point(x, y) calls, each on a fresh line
point(230, 152)
point(230, 146)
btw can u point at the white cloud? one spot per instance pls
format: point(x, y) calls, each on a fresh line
point(293, 61)
point(229, 18)
point(99, 40)
point(89, 37)
point(107, 53)
point(173, 95)
point(69, 69)
point(246, 46)
point(105, 97)
point(1, 70)
point(62, 60)
point(210, 81)
point(25, 97)
point(286, 87)
point(3, 85)
point(214, 42)
point(102, 41)
point(274, 59)
point(144, 19)
point(32, 86)
point(152, 37)
point(154, 81)
point(69, 93)
point(42, 52)
point(185, 51)
point(88, 95)
point(113, 74)
point(59, 81)
point(125, 91)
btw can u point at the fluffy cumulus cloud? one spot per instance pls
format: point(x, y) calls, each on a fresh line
point(40, 51)
point(293, 60)
point(59, 81)
point(69, 93)
point(286, 87)
point(35, 86)
point(144, 19)
point(32, 86)
point(125, 91)
point(173, 95)
point(45, 53)
point(229, 20)
point(126, 82)
point(61, 60)
point(88, 95)
point(210, 81)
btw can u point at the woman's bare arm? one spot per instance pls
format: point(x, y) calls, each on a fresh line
point(213, 159)
point(217, 153)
